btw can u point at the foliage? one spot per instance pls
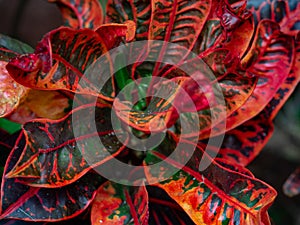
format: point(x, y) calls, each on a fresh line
point(253, 49)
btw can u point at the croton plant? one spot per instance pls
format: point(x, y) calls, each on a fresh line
point(251, 47)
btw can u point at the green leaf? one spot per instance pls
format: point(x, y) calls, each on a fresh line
point(9, 126)
point(10, 47)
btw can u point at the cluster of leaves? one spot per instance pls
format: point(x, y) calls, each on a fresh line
point(253, 49)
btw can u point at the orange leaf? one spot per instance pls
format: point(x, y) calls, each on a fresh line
point(41, 104)
point(11, 92)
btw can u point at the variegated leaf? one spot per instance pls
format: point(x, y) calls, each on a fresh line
point(242, 144)
point(81, 13)
point(62, 57)
point(120, 11)
point(270, 59)
point(286, 88)
point(116, 204)
point(179, 22)
point(284, 12)
point(11, 93)
point(19, 201)
point(214, 196)
point(53, 156)
point(210, 36)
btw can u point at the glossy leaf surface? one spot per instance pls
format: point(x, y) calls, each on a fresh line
point(120, 11)
point(81, 14)
point(242, 144)
point(54, 157)
point(286, 88)
point(238, 26)
point(164, 210)
point(210, 36)
point(216, 195)
point(179, 22)
point(291, 186)
point(270, 59)
point(10, 47)
point(19, 201)
point(117, 204)
point(160, 110)
point(285, 13)
point(11, 92)
point(62, 57)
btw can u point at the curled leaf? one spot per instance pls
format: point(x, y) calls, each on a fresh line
point(270, 59)
point(64, 55)
point(286, 88)
point(285, 13)
point(81, 13)
point(137, 11)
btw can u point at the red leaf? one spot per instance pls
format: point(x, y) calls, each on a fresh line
point(270, 59)
point(242, 144)
point(178, 22)
point(62, 57)
point(113, 32)
point(54, 157)
point(286, 88)
point(241, 35)
point(120, 11)
point(19, 201)
point(238, 24)
point(285, 13)
point(210, 36)
point(81, 13)
point(291, 186)
point(118, 204)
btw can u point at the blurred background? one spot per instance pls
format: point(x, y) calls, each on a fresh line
point(29, 20)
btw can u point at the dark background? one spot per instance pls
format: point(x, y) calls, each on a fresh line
point(29, 20)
